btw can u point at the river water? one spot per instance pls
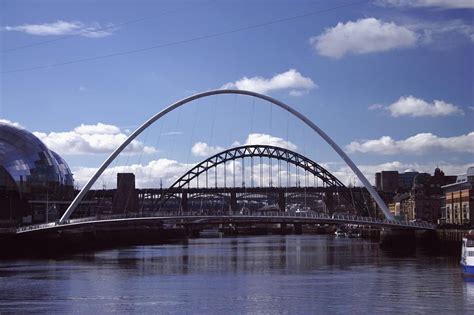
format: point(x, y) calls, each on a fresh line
point(303, 274)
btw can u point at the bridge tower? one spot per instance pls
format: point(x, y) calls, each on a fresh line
point(126, 196)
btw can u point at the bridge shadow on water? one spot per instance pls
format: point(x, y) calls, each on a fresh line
point(73, 244)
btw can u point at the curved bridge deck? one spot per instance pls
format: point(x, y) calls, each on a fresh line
point(200, 219)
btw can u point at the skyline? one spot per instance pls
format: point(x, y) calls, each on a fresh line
point(389, 81)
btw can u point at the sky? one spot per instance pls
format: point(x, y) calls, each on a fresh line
point(391, 81)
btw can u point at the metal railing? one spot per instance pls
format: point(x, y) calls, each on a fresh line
point(309, 215)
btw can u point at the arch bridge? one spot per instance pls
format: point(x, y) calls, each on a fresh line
point(273, 215)
point(381, 204)
point(263, 153)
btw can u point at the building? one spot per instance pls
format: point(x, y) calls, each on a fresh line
point(35, 182)
point(423, 200)
point(397, 207)
point(405, 180)
point(458, 200)
point(390, 184)
point(387, 181)
point(393, 181)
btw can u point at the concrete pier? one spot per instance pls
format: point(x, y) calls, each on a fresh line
point(391, 238)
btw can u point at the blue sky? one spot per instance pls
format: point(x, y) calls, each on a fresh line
point(390, 81)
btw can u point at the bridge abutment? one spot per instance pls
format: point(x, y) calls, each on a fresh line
point(298, 228)
point(283, 229)
point(396, 238)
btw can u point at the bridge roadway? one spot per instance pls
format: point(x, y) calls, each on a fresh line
point(271, 217)
point(110, 193)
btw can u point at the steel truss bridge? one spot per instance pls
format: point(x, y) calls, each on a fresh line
point(321, 191)
point(182, 189)
point(261, 153)
point(319, 185)
point(333, 197)
point(162, 200)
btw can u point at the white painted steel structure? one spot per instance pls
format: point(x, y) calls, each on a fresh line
point(194, 218)
point(186, 100)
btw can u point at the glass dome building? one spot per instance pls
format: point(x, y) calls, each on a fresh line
point(29, 171)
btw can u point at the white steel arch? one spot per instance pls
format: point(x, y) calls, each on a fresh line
point(186, 100)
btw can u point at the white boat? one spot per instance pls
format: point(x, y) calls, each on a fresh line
point(354, 234)
point(340, 233)
point(467, 254)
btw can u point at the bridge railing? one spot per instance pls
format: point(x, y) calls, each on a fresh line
point(342, 218)
point(35, 226)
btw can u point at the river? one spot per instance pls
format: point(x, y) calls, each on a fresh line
point(299, 274)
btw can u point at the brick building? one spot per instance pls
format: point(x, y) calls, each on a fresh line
point(458, 200)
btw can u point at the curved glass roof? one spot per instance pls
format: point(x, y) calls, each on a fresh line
point(29, 162)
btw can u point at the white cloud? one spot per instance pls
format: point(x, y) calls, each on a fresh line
point(202, 149)
point(264, 139)
point(12, 123)
point(415, 107)
point(99, 128)
point(91, 139)
point(156, 172)
point(62, 28)
point(298, 92)
point(290, 79)
point(428, 31)
point(375, 106)
point(361, 37)
point(418, 144)
point(172, 133)
point(166, 172)
point(445, 4)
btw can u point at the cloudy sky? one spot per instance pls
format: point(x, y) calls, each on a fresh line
point(391, 81)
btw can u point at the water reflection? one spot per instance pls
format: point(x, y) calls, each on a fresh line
point(301, 274)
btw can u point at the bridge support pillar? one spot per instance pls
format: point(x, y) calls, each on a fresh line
point(184, 202)
point(283, 228)
point(191, 231)
point(393, 238)
point(126, 196)
point(298, 228)
point(282, 201)
point(233, 202)
point(329, 201)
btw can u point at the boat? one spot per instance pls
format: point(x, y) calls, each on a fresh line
point(467, 254)
point(354, 234)
point(340, 233)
